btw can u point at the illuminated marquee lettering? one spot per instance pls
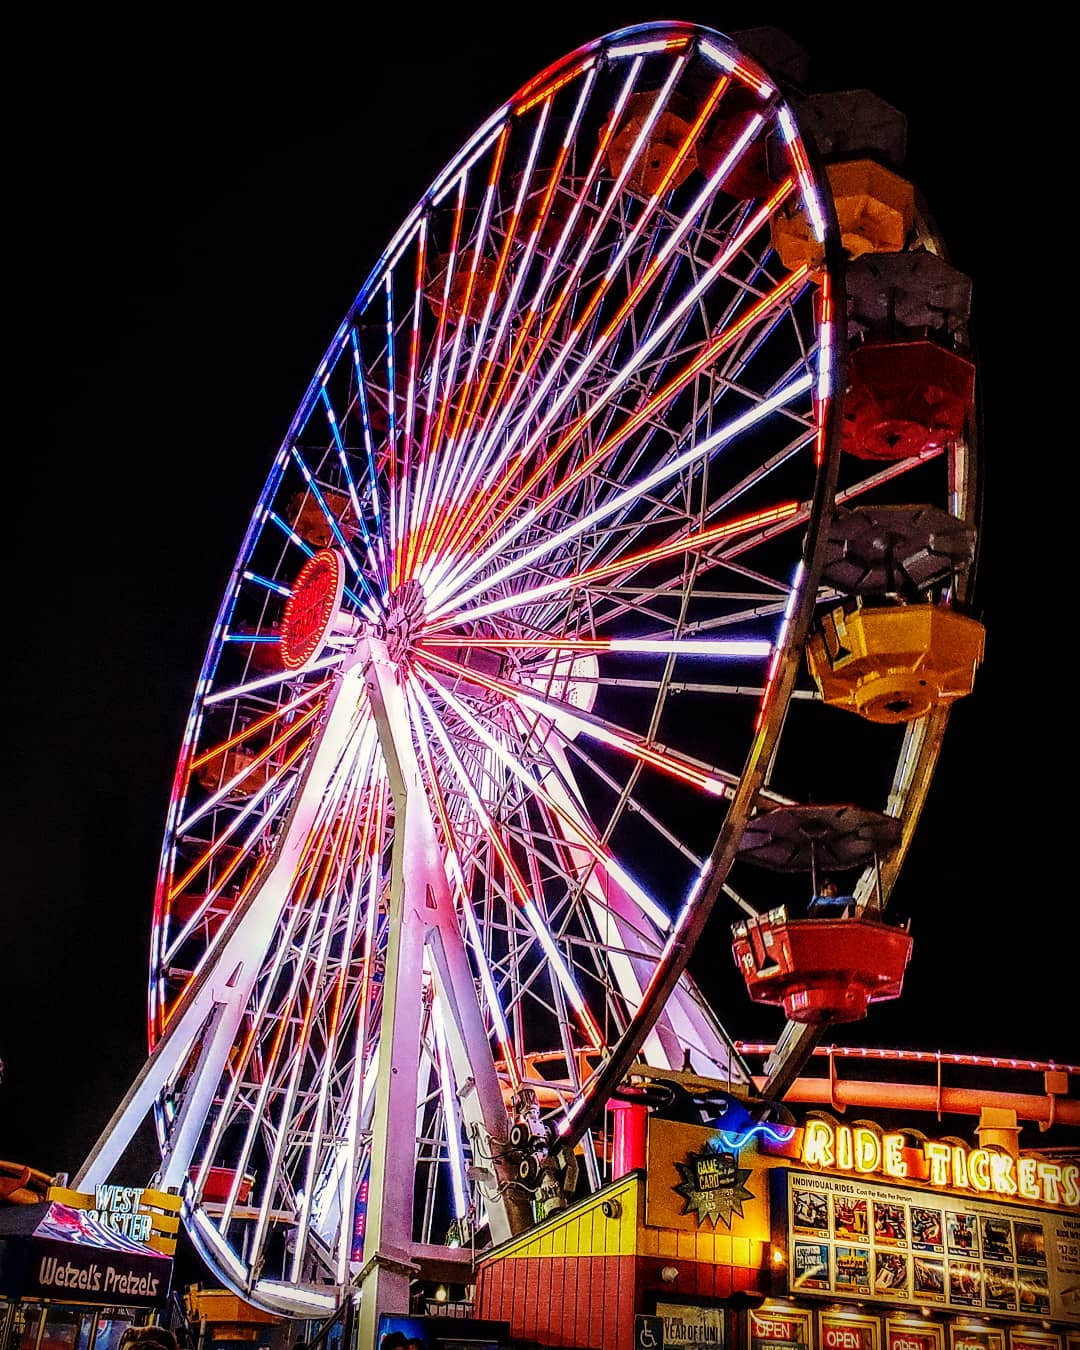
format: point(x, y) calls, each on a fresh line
point(867, 1150)
point(986, 1171)
point(979, 1169)
point(1002, 1174)
point(818, 1144)
point(1050, 1175)
point(894, 1164)
point(937, 1157)
point(117, 1207)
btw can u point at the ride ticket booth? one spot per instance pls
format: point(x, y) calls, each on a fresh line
point(819, 1235)
point(70, 1281)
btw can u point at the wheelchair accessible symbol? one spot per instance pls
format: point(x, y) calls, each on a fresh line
point(648, 1333)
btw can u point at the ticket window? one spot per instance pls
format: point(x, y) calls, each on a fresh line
point(25, 1326)
point(109, 1330)
point(778, 1326)
point(67, 1329)
point(43, 1326)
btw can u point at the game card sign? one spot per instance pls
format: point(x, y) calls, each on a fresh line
point(712, 1185)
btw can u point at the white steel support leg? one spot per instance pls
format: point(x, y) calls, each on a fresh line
point(228, 972)
point(420, 909)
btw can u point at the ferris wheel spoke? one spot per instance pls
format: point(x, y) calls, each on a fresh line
point(728, 337)
point(297, 1051)
point(222, 838)
point(583, 320)
point(457, 469)
point(350, 482)
point(661, 332)
point(553, 311)
point(335, 527)
point(560, 712)
point(535, 788)
point(517, 883)
point(456, 860)
point(410, 431)
point(221, 938)
point(358, 1088)
point(648, 411)
point(336, 1026)
point(262, 761)
point(452, 1126)
point(796, 387)
point(477, 251)
point(500, 403)
point(394, 485)
point(786, 518)
point(436, 407)
point(362, 406)
point(622, 567)
point(563, 929)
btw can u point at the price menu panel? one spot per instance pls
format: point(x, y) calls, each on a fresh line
point(857, 1239)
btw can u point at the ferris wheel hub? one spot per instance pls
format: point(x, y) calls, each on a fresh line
point(405, 612)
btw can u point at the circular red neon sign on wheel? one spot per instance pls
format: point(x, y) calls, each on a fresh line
point(311, 609)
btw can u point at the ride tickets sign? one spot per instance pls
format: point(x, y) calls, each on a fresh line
point(943, 1165)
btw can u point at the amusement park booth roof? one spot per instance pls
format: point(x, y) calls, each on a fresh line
point(54, 1251)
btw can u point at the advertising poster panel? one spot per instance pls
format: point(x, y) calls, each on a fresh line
point(687, 1327)
point(1026, 1339)
point(852, 1237)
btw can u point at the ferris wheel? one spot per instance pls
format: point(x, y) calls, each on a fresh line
point(570, 546)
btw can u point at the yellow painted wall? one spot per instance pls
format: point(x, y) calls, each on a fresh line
point(583, 1229)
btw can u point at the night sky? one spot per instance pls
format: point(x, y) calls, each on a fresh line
point(192, 224)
